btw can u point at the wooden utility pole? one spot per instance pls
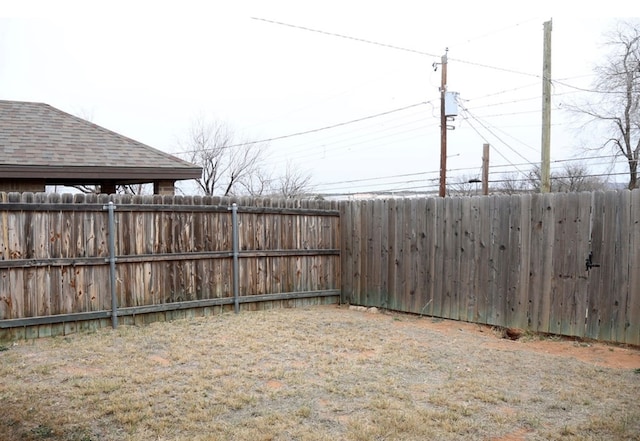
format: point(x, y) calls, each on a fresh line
point(485, 169)
point(443, 128)
point(545, 167)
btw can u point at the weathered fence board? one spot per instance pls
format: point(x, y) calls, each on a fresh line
point(594, 276)
point(466, 263)
point(632, 321)
point(621, 265)
point(607, 259)
point(558, 265)
point(519, 307)
point(513, 261)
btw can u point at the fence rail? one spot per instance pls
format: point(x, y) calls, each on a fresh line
point(512, 261)
point(170, 254)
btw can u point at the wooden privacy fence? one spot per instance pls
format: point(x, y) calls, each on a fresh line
point(172, 254)
point(512, 261)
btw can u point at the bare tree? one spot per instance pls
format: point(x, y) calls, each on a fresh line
point(88, 189)
point(463, 186)
point(138, 189)
point(227, 162)
point(616, 98)
point(512, 183)
point(572, 177)
point(259, 183)
point(293, 183)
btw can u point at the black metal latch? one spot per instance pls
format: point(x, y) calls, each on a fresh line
point(589, 262)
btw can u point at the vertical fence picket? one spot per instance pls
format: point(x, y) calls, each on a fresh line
point(392, 253)
point(572, 266)
point(583, 220)
point(523, 290)
point(363, 217)
point(457, 232)
point(422, 295)
point(632, 316)
point(377, 253)
point(560, 241)
point(347, 251)
point(439, 233)
point(493, 311)
point(607, 297)
point(594, 276)
point(467, 264)
point(482, 259)
point(513, 255)
point(383, 286)
point(546, 262)
point(535, 270)
point(411, 256)
point(430, 256)
point(501, 259)
point(620, 272)
point(448, 256)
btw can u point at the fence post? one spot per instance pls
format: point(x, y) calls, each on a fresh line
point(112, 263)
point(234, 226)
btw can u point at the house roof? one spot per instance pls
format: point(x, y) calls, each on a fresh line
point(40, 141)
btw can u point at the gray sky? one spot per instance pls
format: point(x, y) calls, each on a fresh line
point(147, 69)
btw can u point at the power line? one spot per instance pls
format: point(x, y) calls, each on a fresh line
point(494, 148)
point(597, 175)
point(320, 129)
point(350, 183)
point(510, 113)
point(587, 158)
point(391, 46)
point(333, 34)
point(339, 138)
point(502, 69)
point(505, 102)
point(497, 31)
point(491, 132)
point(519, 100)
point(367, 144)
point(323, 146)
point(504, 91)
point(505, 133)
point(581, 89)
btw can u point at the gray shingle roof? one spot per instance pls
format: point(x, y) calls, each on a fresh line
point(40, 137)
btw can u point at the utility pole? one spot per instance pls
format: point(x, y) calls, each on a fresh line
point(485, 169)
point(545, 167)
point(443, 128)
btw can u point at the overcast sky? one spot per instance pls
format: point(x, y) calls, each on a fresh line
point(147, 69)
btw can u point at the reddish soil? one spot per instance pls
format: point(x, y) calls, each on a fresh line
point(600, 354)
point(596, 353)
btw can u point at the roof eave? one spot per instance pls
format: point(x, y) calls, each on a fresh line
point(98, 173)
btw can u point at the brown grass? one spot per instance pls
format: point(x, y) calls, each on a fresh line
point(318, 373)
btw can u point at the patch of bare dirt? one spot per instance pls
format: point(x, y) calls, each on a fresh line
point(596, 353)
point(518, 435)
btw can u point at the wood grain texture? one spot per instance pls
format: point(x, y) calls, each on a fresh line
point(512, 261)
point(169, 249)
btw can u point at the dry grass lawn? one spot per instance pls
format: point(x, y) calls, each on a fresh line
point(316, 373)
